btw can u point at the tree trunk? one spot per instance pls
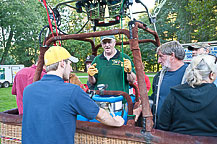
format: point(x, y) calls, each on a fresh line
point(7, 47)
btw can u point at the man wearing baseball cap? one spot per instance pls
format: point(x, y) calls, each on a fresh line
point(88, 62)
point(199, 48)
point(107, 67)
point(51, 106)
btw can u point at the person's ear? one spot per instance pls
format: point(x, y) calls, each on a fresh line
point(62, 64)
point(114, 42)
point(211, 75)
point(173, 55)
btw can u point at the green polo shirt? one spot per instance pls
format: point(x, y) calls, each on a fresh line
point(111, 73)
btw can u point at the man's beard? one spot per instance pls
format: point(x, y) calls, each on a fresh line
point(65, 78)
point(167, 64)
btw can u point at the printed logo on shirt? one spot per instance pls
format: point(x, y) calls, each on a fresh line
point(117, 62)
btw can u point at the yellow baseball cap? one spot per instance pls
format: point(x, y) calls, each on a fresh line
point(57, 53)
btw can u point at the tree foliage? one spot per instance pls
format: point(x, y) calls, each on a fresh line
point(204, 19)
point(186, 21)
point(173, 22)
point(20, 22)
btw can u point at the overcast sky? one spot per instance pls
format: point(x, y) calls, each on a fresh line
point(139, 7)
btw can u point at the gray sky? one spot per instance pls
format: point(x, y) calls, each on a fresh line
point(148, 3)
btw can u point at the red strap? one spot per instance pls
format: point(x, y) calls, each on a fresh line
point(84, 87)
point(56, 26)
point(48, 17)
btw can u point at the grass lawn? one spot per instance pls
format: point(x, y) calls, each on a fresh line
point(83, 80)
point(150, 91)
point(7, 100)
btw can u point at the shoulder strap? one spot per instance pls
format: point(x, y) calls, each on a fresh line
point(158, 92)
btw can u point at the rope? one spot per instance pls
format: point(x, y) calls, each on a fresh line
point(122, 49)
point(158, 8)
point(55, 26)
point(49, 21)
point(152, 18)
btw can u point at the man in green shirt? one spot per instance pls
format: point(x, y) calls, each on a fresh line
point(107, 68)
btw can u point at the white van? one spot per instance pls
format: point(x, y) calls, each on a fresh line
point(7, 74)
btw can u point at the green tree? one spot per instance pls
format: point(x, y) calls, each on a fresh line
point(204, 19)
point(173, 22)
point(185, 21)
point(19, 24)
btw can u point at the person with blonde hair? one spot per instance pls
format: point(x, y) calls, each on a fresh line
point(190, 108)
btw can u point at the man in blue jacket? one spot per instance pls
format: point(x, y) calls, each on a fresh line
point(51, 106)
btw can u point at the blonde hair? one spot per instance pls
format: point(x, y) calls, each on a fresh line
point(200, 68)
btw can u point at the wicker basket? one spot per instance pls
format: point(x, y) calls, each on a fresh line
point(11, 134)
point(81, 138)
